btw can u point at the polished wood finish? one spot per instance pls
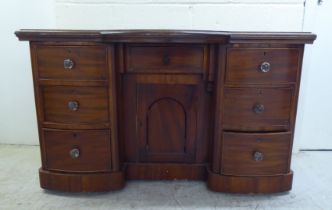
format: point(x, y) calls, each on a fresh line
point(92, 104)
point(168, 113)
point(240, 112)
point(169, 171)
point(167, 120)
point(89, 62)
point(250, 184)
point(81, 182)
point(239, 149)
point(243, 65)
point(166, 36)
point(165, 59)
point(93, 146)
point(163, 104)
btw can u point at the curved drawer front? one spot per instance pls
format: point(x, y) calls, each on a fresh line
point(165, 59)
point(255, 154)
point(80, 105)
point(262, 66)
point(72, 62)
point(257, 109)
point(77, 151)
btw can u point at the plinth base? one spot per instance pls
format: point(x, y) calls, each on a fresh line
point(70, 182)
point(250, 184)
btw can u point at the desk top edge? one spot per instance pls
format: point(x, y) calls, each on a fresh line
point(189, 36)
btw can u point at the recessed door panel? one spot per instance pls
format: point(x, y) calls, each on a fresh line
point(167, 121)
point(166, 116)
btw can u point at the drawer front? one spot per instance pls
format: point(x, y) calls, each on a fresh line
point(262, 66)
point(255, 154)
point(81, 151)
point(257, 109)
point(72, 62)
point(85, 105)
point(173, 59)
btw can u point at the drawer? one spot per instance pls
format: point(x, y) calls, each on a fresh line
point(262, 66)
point(257, 109)
point(76, 105)
point(255, 154)
point(172, 59)
point(81, 151)
point(72, 62)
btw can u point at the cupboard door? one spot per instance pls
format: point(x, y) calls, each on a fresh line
point(167, 119)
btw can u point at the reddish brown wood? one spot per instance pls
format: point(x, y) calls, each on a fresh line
point(93, 146)
point(83, 182)
point(167, 121)
point(92, 104)
point(250, 184)
point(239, 149)
point(240, 103)
point(129, 142)
point(166, 36)
point(243, 65)
point(90, 62)
point(169, 171)
point(217, 110)
point(165, 59)
point(163, 104)
point(167, 114)
point(77, 83)
point(295, 101)
point(113, 111)
point(75, 125)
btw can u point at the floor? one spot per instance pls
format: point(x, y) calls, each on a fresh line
point(19, 189)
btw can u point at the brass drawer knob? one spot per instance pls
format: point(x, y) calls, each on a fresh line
point(258, 156)
point(73, 105)
point(259, 108)
point(74, 153)
point(265, 67)
point(68, 63)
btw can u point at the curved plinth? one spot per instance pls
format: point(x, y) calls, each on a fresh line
point(69, 182)
point(250, 184)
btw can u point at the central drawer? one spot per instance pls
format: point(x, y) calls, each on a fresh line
point(70, 105)
point(257, 109)
point(165, 59)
